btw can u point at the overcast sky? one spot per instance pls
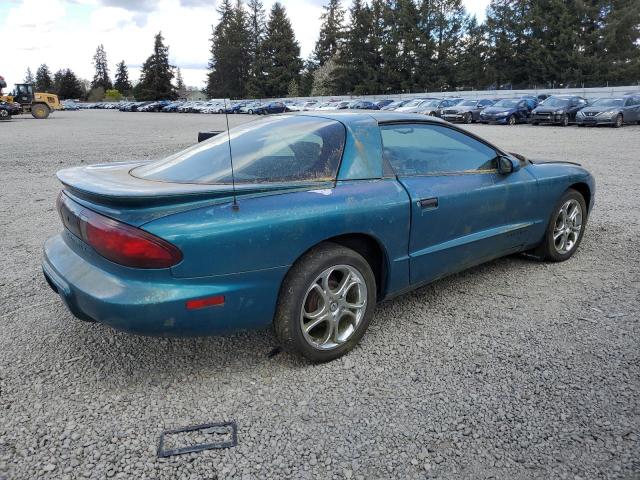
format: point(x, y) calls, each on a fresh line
point(65, 33)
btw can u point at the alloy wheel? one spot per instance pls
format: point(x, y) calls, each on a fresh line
point(567, 228)
point(333, 307)
point(512, 120)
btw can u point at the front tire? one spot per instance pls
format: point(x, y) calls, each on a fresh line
point(468, 118)
point(565, 121)
point(5, 115)
point(326, 303)
point(565, 229)
point(511, 120)
point(619, 121)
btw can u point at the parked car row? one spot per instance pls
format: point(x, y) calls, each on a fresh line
point(535, 110)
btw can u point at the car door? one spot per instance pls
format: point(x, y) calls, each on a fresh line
point(631, 109)
point(463, 212)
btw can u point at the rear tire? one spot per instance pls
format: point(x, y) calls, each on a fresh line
point(565, 229)
point(316, 316)
point(40, 111)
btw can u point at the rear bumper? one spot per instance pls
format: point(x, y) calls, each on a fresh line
point(153, 302)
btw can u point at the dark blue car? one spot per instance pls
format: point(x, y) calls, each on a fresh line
point(271, 107)
point(508, 111)
point(326, 215)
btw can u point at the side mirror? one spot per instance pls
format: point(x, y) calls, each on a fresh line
point(507, 165)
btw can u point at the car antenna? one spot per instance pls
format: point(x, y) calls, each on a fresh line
point(235, 205)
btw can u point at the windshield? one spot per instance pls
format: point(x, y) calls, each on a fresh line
point(506, 103)
point(276, 149)
point(555, 102)
point(609, 102)
point(431, 103)
point(468, 103)
point(413, 103)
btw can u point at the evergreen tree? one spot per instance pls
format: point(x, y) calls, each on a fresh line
point(122, 83)
point(331, 33)
point(506, 25)
point(257, 65)
point(181, 89)
point(28, 77)
point(281, 47)
point(472, 68)
point(156, 74)
point(44, 83)
point(69, 86)
point(101, 76)
point(230, 44)
point(355, 72)
point(57, 80)
point(621, 41)
point(447, 20)
point(306, 78)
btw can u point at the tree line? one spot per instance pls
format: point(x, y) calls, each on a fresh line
point(388, 47)
point(393, 46)
point(156, 79)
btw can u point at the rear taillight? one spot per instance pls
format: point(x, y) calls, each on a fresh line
point(116, 241)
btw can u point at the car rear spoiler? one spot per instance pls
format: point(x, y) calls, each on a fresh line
point(202, 136)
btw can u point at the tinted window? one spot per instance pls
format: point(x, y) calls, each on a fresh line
point(276, 149)
point(506, 103)
point(422, 149)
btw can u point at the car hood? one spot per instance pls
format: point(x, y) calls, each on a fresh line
point(599, 109)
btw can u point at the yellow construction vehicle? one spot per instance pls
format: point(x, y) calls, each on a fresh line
point(40, 105)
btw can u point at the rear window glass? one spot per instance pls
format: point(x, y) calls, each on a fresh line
point(276, 149)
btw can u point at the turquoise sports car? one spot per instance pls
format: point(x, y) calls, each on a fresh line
point(317, 218)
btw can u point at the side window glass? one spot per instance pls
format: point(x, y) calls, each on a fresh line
point(423, 149)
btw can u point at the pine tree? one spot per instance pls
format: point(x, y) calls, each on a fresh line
point(28, 77)
point(324, 78)
point(230, 45)
point(101, 76)
point(57, 80)
point(255, 82)
point(331, 33)
point(282, 48)
point(472, 67)
point(620, 35)
point(69, 86)
point(355, 72)
point(181, 89)
point(44, 83)
point(506, 25)
point(156, 74)
point(306, 78)
point(448, 18)
point(122, 83)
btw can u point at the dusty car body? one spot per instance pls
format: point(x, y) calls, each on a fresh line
point(225, 257)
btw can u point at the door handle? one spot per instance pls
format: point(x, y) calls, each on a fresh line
point(426, 203)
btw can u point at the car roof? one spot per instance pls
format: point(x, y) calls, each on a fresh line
point(380, 116)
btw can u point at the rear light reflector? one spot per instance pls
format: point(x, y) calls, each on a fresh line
point(117, 241)
point(198, 303)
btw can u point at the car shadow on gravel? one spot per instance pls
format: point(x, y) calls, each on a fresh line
point(123, 357)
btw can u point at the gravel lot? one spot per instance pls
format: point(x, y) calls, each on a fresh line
point(515, 369)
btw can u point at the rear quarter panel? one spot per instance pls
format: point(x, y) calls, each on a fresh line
point(275, 230)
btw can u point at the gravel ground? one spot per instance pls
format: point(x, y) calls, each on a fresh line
point(515, 369)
